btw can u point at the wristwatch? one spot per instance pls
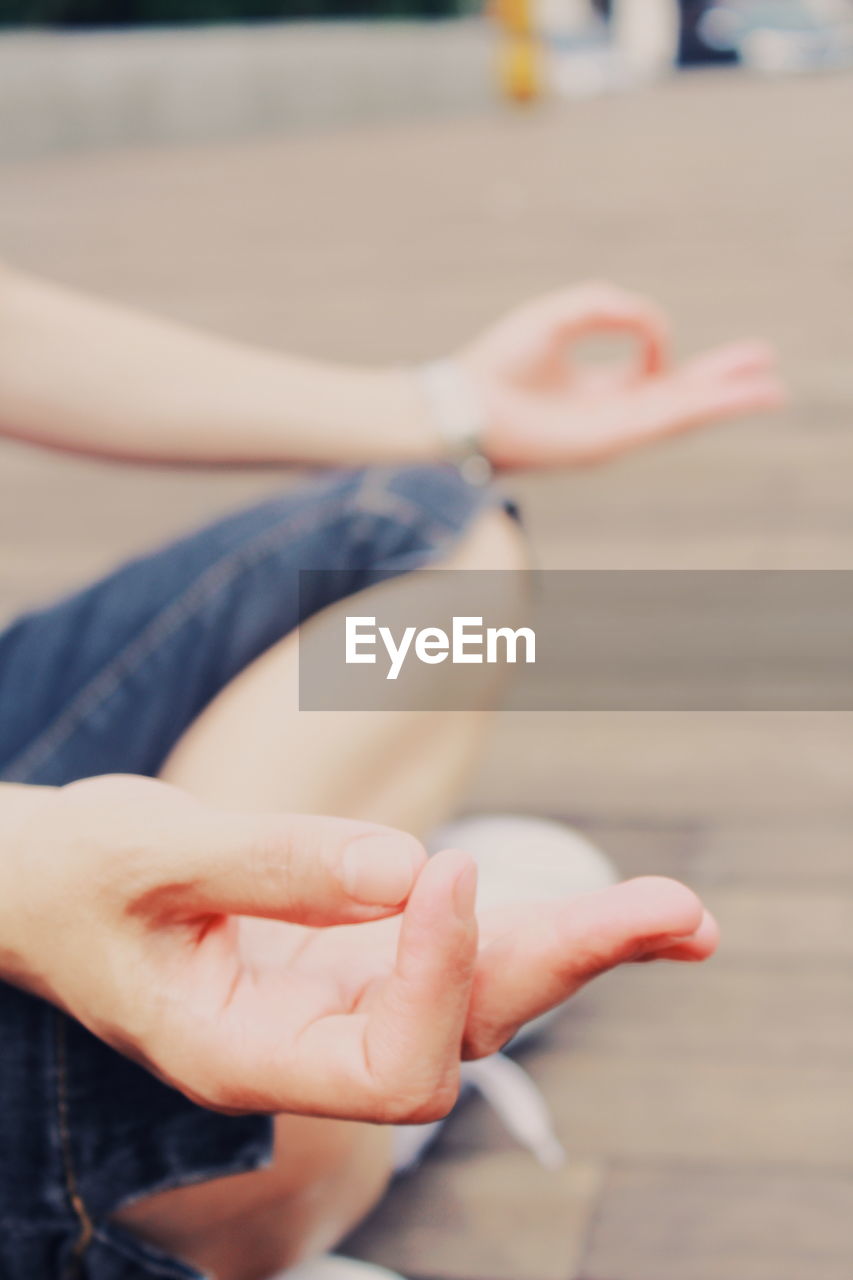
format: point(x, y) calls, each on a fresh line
point(458, 417)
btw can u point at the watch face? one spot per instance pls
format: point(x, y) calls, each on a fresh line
point(476, 469)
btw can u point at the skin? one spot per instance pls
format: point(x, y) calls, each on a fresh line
point(232, 987)
point(545, 409)
point(160, 391)
point(365, 1022)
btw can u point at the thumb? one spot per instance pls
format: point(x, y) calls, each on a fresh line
point(296, 867)
point(567, 317)
point(556, 948)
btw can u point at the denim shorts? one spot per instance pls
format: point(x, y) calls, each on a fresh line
point(106, 681)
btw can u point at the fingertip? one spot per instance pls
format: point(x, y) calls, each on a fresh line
point(706, 939)
point(699, 946)
point(447, 858)
point(381, 868)
point(453, 872)
point(445, 895)
point(664, 902)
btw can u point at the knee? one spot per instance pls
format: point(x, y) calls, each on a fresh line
point(493, 540)
point(458, 525)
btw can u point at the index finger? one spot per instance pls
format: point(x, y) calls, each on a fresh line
point(602, 308)
point(296, 867)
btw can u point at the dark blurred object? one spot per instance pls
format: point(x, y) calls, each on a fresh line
point(121, 13)
point(766, 35)
point(781, 37)
point(693, 49)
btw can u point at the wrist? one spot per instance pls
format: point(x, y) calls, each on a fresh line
point(414, 434)
point(458, 417)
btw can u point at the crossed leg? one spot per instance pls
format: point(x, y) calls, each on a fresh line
point(252, 748)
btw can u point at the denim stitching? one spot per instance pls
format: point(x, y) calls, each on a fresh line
point(171, 1270)
point(168, 620)
point(436, 533)
point(72, 1189)
point(376, 485)
point(260, 1158)
point(155, 632)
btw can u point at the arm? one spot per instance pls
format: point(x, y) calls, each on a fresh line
point(92, 377)
point(84, 375)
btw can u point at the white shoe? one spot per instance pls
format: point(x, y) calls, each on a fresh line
point(526, 859)
point(520, 860)
point(333, 1268)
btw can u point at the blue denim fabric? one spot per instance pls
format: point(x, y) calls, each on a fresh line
point(106, 681)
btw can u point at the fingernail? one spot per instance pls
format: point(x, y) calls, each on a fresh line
point(465, 891)
point(380, 870)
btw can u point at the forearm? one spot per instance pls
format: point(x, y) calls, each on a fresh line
point(18, 805)
point(17, 802)
point(88, 376)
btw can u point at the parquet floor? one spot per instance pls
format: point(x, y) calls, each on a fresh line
point(708, 1113)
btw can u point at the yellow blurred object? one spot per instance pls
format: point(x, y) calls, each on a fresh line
point(520, 56)
point(520, 70)
point(515, 15)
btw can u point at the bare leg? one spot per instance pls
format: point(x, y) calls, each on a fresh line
point(327, 1175)
point(252, 748)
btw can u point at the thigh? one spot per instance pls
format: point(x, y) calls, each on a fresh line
point(325, 1177)
point(108, 679)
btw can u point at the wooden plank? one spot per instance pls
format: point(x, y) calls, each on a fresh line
point(722, 1095)
point(721, 1013)
point(493, 1216)
point(642, 848)
point(671, 767)
point(687, 1223)
point(812, 855)
point(758, 853)
point(782, 927)
point(619, 1106)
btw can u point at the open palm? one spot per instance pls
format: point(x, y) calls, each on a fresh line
point(287, 962)
point(377, 1016)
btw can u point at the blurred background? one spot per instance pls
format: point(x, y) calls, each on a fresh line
point(374, 191)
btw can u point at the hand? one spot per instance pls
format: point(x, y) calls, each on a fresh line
point(542, 410)
point(124, 901)
point(529, 959)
